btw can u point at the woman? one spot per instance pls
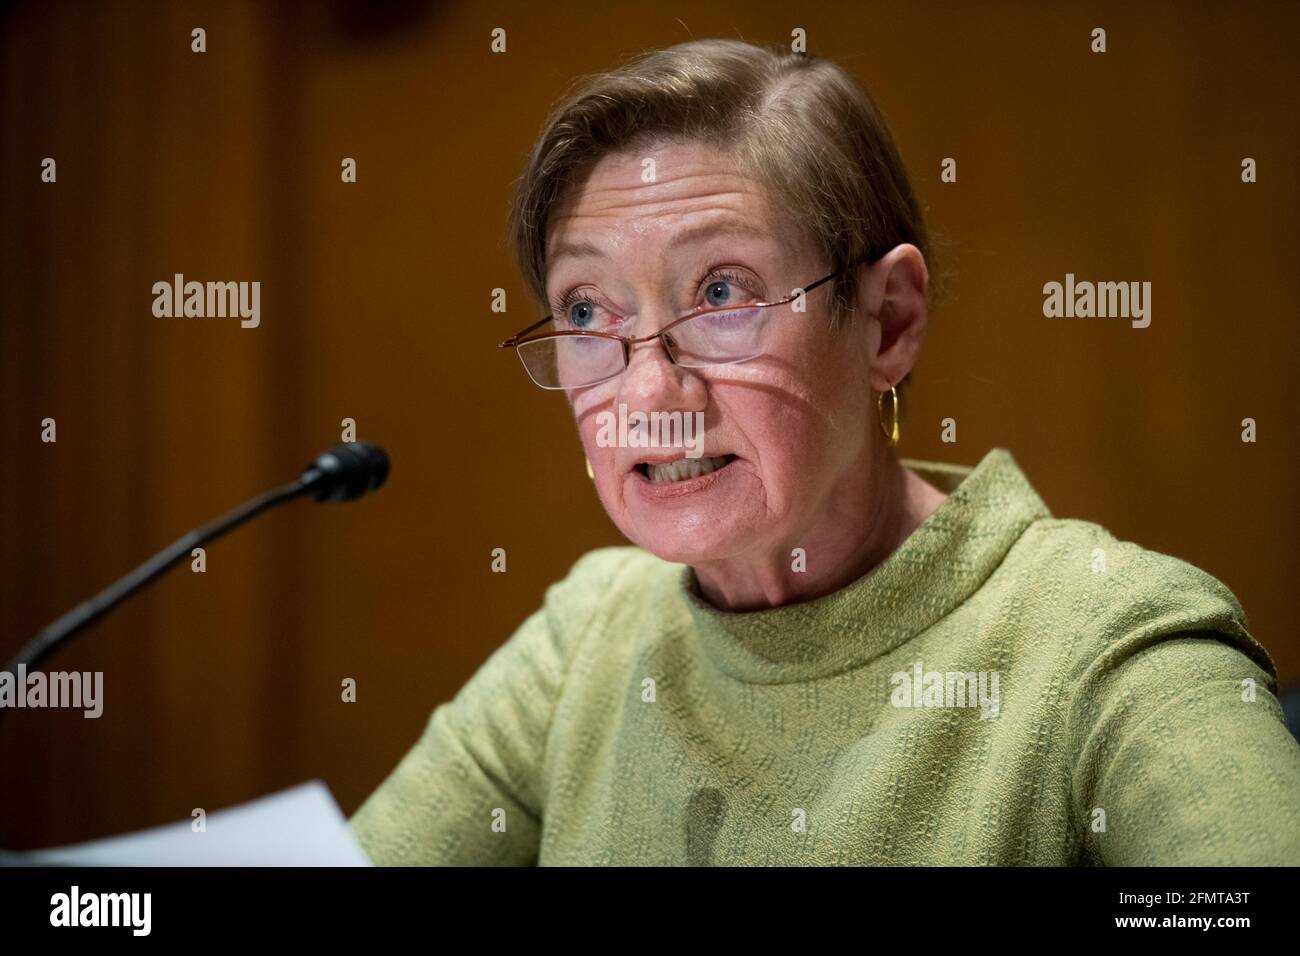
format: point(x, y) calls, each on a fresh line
point(816, 652)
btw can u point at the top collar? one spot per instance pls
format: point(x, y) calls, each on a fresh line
point(941, 564)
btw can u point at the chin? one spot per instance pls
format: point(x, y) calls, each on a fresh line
point(690, 538)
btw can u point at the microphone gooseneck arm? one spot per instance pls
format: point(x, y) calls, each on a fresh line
point(342, 473)
point(89, 611)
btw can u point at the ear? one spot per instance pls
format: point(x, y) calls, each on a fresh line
point(893, 292)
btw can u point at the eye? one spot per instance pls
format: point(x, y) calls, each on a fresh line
point(581, 314)
point(719, 292)
point(578, 311)
point(724, 287)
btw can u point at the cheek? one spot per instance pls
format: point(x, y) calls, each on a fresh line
point(813, 385)
point(838, 381)
point(587, 401)
point(586, 406)
point(800, 418)
point(780, 422)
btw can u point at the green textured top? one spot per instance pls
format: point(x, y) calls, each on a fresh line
point(1005, 688)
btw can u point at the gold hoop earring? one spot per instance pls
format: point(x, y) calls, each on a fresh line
point(890, 430)
point(590, 474)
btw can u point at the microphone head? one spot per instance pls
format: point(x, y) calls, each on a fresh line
point(346, 471)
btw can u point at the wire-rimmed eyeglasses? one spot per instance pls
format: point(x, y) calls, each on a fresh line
point(704, 336)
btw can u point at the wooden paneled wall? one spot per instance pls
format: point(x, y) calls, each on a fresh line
point(375, 298)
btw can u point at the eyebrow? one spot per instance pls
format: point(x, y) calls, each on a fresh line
point(586, 250)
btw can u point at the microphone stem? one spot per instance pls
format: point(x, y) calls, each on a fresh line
point(40, 646)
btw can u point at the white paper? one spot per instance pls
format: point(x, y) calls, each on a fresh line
point(301, 826)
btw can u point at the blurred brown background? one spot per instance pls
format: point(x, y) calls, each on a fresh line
point(375, 306)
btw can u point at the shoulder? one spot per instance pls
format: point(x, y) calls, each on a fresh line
point(603, 587)
point(1132, 622)
point(531, 667)
point(607, 576)
point(600, 591)
point(1110, 588)
point(610, 566)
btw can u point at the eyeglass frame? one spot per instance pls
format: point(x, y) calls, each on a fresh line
point(629, 342)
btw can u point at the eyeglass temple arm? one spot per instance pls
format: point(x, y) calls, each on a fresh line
point(820, 281)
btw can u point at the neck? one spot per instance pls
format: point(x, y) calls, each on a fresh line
point(865, 517)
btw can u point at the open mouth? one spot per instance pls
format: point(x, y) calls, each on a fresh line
point(684, 469)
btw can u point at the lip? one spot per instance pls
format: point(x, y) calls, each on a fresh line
point(666, 491)
point(633, 465)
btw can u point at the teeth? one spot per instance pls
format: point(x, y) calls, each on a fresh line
point(685, 469)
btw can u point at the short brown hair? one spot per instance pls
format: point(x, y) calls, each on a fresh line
point(799, 124)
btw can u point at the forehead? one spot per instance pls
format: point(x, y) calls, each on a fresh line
point(665, 192)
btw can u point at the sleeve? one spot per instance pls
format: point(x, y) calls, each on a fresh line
point(1181, 751)
point(469, 792)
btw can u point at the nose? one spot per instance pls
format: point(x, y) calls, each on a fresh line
point(653, 382)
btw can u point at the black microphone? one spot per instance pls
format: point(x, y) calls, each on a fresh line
point(346, 471)
point(342, 473)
